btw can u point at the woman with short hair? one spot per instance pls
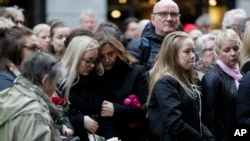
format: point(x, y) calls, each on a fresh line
point(220, 87)
point(29, 113)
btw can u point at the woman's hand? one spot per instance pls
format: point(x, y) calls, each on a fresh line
point(107, 109)
point(90, 124)
point(67, 131)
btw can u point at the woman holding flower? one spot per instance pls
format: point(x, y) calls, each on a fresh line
point(80, 85)
point(123, 79)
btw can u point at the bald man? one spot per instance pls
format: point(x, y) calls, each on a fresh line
point(164, 20)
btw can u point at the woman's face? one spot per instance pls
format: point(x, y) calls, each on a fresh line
point(208, 56)
point(31, 45)
point(186, 54)
point(87, 62)
point(60, 34)
point(108, 56)
point(44, 40)
point(229, 53)
point(48, 86)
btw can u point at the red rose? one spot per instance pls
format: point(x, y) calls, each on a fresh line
point(63, 102)
point(55, 99)
point(58, 101)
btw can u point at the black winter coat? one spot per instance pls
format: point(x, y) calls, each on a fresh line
point(243, 106)
point(219, 103)
point(133, 48)
point(117, 84)
point(150, 46)
point(246, 67)
point(86, 99)
point(173, 115)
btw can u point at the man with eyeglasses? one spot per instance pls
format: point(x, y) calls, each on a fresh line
point(164, 20)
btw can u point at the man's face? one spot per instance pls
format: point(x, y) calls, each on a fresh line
point(165, 18)
point(88, 23)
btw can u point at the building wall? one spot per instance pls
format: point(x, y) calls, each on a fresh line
point(244, 4)
point(69, 11)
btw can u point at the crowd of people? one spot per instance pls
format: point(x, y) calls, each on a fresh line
point(149, 80)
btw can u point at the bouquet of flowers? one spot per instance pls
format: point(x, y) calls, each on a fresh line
point(62, 102)
point(133, 101)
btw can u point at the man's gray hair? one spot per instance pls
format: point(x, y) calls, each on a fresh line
point(228, 20)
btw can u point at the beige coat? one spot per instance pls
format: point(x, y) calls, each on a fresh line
point(24, 116)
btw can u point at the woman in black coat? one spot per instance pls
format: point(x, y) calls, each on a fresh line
point(81, 85)
point(122, 79)
point(220, 86)
point(174, 104)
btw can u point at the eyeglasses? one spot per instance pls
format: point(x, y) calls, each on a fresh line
point(108, 55)
point(33, 48)
point(165, 14)
point(20, 22)
point(208, 49)
point(89, 62)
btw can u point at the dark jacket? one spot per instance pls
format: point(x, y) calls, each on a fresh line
point(150, 46)
point(133, 48)
point(6, 80)
point(243, 108)
point(117, 84)
point(219, 103)
point(243, 105)
point(246, 67)
point(85, 99)
point(173, 115)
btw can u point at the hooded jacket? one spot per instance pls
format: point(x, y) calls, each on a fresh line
point(150, 45)
point(25, 115)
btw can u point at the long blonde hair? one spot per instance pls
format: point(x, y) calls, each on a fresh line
point(245, 52)
point(167, 64)
point(76, 48)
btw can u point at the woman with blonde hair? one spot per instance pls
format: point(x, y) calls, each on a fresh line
point(42, 32)
point(220, 86)
point(80, 85)
point(174, 104)
point(245, 52)
point(74, 58)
